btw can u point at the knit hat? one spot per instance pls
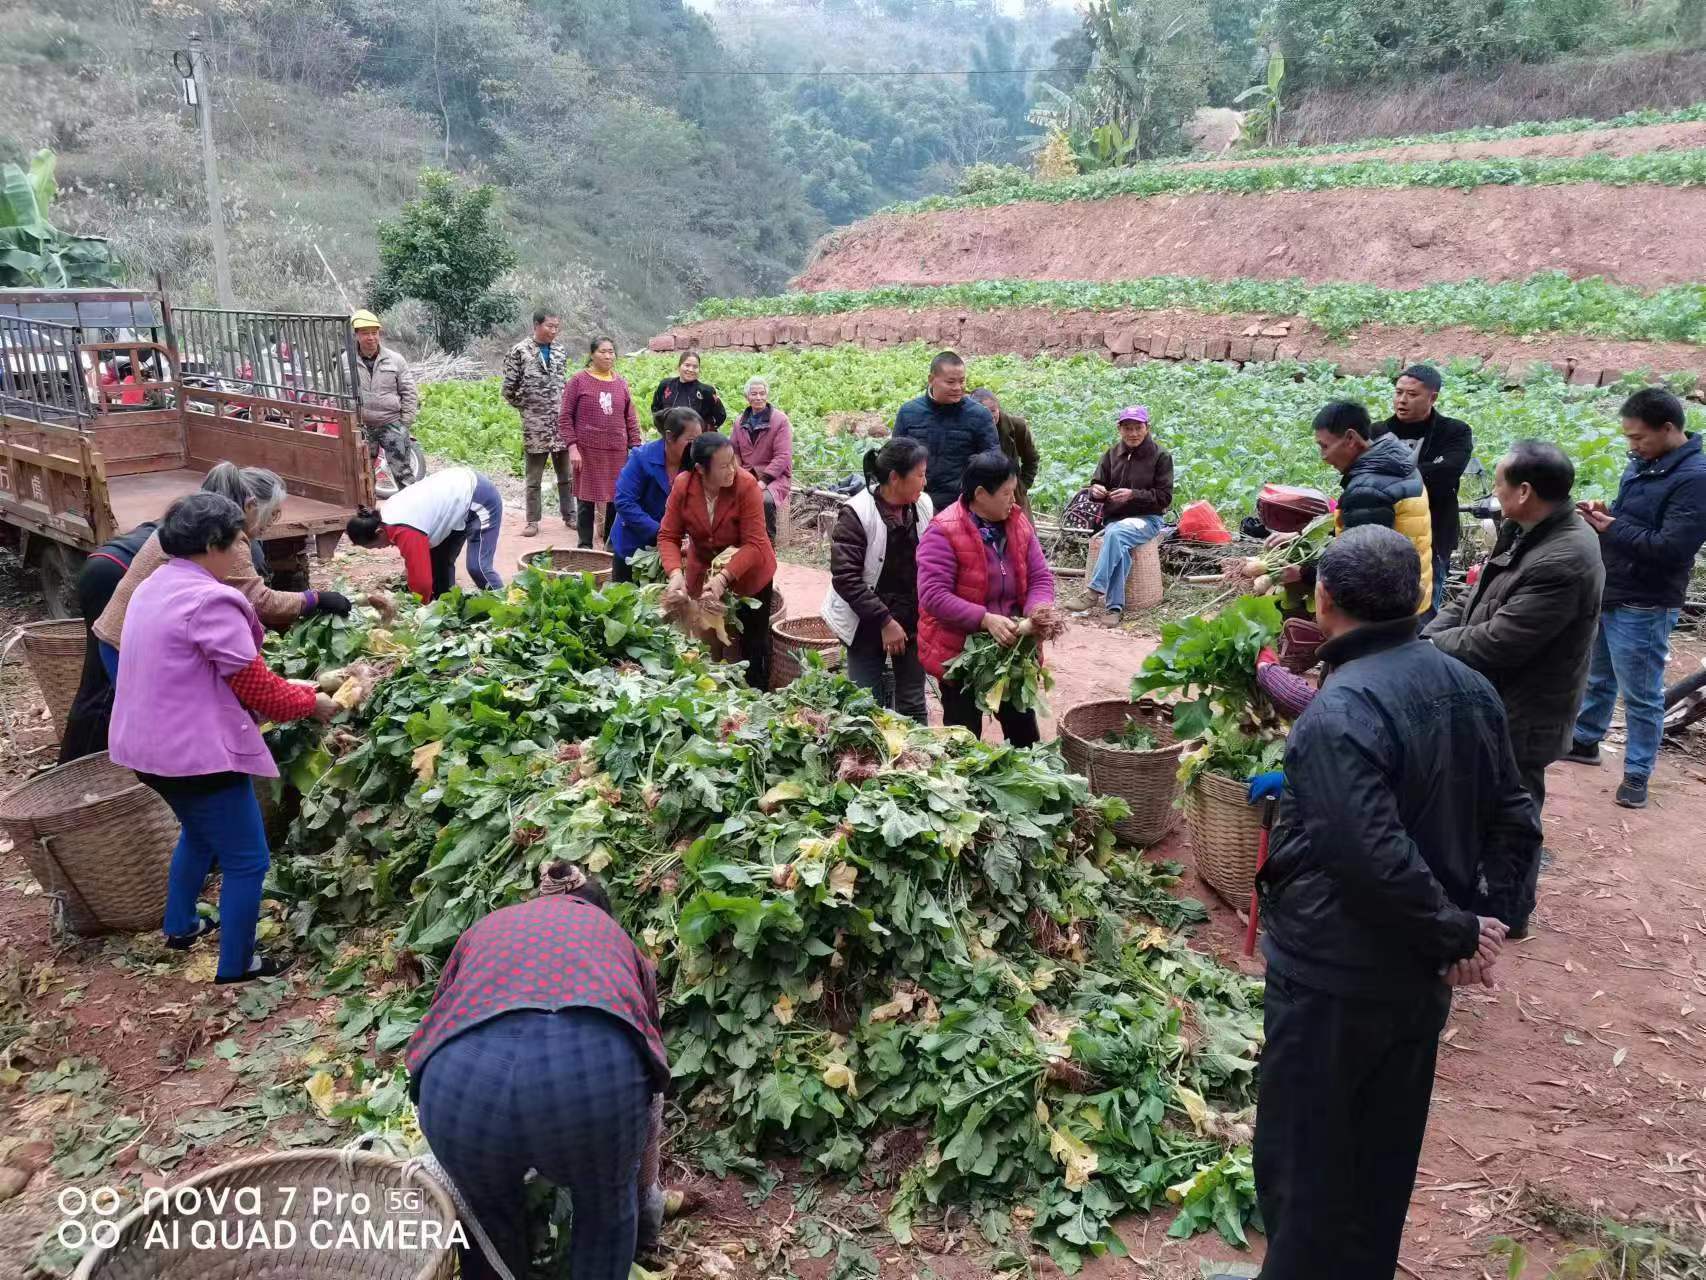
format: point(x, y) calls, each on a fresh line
point(558, 876)
point(1425, 374)
point(1134, 413)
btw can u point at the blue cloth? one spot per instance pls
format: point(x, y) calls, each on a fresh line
point(1649, 549)
point(109, 660)
point(485, 523)
point(1119, 540)
point(1629, 655)
point(1267, 786)
point(563, 1092)
point(220, 824)
point(642, 491)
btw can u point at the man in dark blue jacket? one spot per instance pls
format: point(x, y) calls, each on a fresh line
point(1648, 539)
point(1401, 795)
point(950, 425)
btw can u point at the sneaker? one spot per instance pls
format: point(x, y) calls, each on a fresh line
point(1633, 793)
point(262, 967)
point(1085, 601)
point(1582, 752)
point(531, 530)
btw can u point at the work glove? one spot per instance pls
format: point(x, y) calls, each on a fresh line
point(1266, 786)
point(332, 602)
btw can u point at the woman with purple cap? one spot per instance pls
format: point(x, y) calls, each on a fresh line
point(1134, 484)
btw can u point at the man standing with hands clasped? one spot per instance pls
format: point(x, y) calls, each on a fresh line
point(1401, 794)
point(534, 371)
point(1648, 539)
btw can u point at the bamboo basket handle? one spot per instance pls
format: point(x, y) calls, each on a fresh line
point(47, 848)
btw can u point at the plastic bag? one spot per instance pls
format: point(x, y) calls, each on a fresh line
point(1200, 522)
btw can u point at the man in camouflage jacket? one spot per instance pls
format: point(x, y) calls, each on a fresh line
point(533, 383)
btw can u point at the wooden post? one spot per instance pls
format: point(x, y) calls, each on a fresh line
point(210, 174)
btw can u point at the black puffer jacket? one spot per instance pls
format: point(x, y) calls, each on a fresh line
point(1649, 549)
point(1528, 625)
point(951, 433)
point(1401, 792)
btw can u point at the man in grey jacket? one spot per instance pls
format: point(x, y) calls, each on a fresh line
point(1528, 623)
point(389, 400)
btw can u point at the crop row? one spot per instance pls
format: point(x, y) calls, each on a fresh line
point(1669, 168)
point(1547, 303)
point(1229, 430)
point(1480, 133)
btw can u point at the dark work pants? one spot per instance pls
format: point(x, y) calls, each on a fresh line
point(620, 571)
point(754, 639)
point(583, 522)
point(1532, 774)
point(868, 667)
point(1342, 1109)
point(1020, 727)
point(563, 1092)
point(769, 513)
point(559, 460)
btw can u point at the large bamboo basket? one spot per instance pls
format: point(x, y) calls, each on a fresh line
point(55, 652)
point(792, 637)
point(1148, 781)
point(1144, 585)
point(561, 560)
point(98, 841)
point(1226, 830)
point(154, 1242)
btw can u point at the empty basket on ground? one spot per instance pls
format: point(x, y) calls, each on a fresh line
point(790, 638)
point(98, 840)
point(571, 560)
point(1147, 780)
point(1226, 830)
point(306, 1227)
point(1144, 586)
point(55, 653)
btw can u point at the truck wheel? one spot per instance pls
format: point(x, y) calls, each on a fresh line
point(59, 566)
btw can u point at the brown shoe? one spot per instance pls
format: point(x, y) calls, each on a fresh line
point(531, 530)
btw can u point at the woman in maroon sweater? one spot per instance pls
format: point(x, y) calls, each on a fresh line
point(598, 425)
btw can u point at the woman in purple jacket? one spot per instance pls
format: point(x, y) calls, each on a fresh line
point(764, 445)
point(191, 684)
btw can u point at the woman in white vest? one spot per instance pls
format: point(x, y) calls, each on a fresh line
point(873, 593)
point(432, 520)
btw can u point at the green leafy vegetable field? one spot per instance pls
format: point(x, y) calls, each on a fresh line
point(1229, 430)
point(1547, 303)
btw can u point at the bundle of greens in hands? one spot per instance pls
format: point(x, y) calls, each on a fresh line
point(995, 673)
point(862, 925)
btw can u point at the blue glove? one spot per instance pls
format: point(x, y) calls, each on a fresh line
point(1267, 786)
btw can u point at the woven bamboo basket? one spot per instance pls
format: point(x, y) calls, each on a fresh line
point(408, 1215)
point(1144, 585)
point(55, 652)
point(1146, 780)
point(571, 560)
point(1226, 830)
point(98, 841)
point(792, 637)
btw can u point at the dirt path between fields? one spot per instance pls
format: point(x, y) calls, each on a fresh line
point(1638, 140)
point(1582, 1077)
point(1392, 238)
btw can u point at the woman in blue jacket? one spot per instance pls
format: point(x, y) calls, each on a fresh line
point(642, 489)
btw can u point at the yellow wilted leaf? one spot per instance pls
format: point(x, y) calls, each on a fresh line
point(1079, 1160)
point(1157, 939)
point(1044, 977)
point(895, 740)
point(202, 968)
point(783, 1008)
point(1193, 1106)
point(779, 795)
point(706, 684)
point(320, 1089)
point(314, 1057)
point(515, 595)
point(267, 929)
point(902, 1003)
point(1179, 1190)
point(838, 1075)
point(598, 860)
point(842, 877)
point(425, 760)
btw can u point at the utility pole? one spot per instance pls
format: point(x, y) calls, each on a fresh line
point(210, 172)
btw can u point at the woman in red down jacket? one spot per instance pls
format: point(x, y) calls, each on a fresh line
point(980, 568)
point(599, 426)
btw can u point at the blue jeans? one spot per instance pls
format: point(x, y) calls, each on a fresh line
point(1119, 540)
point(1629, 655)
point(221, 823)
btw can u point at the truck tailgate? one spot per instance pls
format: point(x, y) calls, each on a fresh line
point(146, 496)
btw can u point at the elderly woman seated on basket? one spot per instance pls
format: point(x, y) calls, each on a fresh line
point(1134, 484)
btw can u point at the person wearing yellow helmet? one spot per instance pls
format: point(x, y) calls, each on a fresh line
point(389, 400)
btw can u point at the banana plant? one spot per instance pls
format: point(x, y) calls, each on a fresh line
point(1262, 121)
point(32, 250)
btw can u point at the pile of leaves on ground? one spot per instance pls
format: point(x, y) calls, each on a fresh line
point(879, 945)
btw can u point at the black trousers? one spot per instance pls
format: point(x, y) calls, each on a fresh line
point(1342, 1109)
point(961, 708)
point(1533, 776)
point(583, 522)
point(444, 561)
point(754, 639)
point(620, 571)
point(868, 667)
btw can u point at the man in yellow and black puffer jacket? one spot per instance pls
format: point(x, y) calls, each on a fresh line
point(1382, 484)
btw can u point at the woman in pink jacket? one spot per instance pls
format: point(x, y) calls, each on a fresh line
point(980, 568)
point(191, 684)
point(598, 426)
point(764, 443)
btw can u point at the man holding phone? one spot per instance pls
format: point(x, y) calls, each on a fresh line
point(1648, 539)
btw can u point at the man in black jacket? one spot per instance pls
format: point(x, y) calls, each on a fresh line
point(952, 426)
point(1649, 538)
point(1400, 795)
point(1529, 622)
point(1441, 447)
